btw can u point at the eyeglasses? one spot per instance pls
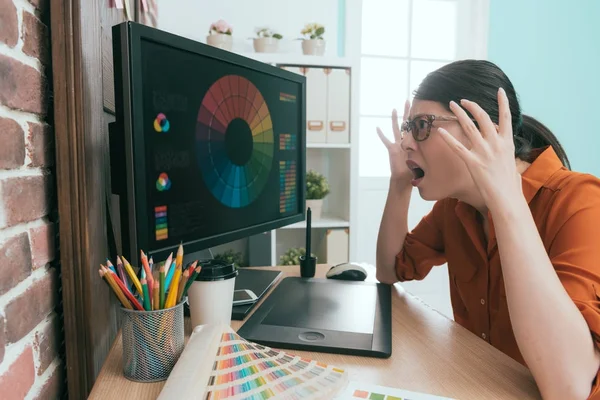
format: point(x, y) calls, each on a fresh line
point(420, 126)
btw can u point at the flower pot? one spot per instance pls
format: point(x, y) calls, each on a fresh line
point(266, 45)
point(313, 47)
point(220, 40)
point(316, 208)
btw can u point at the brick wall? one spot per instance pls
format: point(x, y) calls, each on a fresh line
point(30, 329)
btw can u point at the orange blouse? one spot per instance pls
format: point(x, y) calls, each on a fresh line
point(566, 208)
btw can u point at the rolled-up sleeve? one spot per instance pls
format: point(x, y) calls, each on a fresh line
point(575, 253)
point(423, 247)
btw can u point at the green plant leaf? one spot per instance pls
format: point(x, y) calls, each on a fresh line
point(320, 31)
point(278, 36)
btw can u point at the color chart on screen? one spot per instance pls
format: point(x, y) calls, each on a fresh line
point(235, 141)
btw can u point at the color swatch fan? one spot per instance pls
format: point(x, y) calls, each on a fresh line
point(219, 364)
point(234, 141)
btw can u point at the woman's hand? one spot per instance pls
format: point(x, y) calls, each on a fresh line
point(491, 158)
point(398, 167)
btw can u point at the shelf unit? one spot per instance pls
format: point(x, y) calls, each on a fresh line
point(331, 234)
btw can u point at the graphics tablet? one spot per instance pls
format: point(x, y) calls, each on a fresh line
point(325, 315)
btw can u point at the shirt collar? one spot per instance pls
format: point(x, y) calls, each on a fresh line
point(546, 163)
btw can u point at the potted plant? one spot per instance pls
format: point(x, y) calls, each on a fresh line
point(317, 188)
point(219, 35)
point(313, 42)
point(266, 40)
point(231, 257)
point(292, 256)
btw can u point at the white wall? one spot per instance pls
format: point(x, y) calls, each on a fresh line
point(192, 18)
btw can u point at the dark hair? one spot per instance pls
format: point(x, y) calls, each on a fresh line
point(479, 81)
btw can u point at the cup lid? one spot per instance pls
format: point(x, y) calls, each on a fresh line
point(213, 270)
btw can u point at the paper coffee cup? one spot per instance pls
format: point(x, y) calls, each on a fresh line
point(210, 297)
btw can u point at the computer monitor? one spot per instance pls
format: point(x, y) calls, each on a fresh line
point(208, 146)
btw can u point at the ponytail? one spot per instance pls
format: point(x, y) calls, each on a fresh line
point(532, 134)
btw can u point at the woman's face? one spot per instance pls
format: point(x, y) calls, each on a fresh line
point(445, 174)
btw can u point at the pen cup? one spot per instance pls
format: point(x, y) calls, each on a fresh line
point(308, 267)
point(152, 342)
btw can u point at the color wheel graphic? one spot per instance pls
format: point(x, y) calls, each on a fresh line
point(234, 141)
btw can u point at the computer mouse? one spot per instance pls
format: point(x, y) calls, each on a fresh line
point(347, 272)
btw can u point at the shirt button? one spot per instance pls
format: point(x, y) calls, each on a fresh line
point(482, 301)
point(483, 335)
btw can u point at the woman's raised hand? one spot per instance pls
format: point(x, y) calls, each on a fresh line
point(398, 167)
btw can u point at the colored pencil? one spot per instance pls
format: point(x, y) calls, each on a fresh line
point(162, 286)
point(122, 274)
point(149, 277)
point(179, 257)
point(180, 287)
point(168, 263)
point(136, 304)
point(115, 289)
point(155, 296)
point(133, 276)
point(111, 266)
point(147, 301)
point(192, 278)
point(151, 264)
point(169, 276)
point(173, 287)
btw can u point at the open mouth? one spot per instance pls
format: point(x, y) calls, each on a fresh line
point(418, 172)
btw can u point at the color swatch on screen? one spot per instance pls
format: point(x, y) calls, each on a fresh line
point(268, 373)
point(163, 182)
point(287, 141)
point(161, 123)
point(160, 217)
point(234, 141)
point(287, 186)
point(286, 97)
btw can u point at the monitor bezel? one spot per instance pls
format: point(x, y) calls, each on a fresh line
point(129, 112)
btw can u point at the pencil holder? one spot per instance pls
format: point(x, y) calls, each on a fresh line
point(152, 342)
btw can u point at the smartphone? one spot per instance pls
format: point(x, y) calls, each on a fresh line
point(243, 296)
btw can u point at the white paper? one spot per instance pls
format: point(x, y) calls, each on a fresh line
point(358, 390)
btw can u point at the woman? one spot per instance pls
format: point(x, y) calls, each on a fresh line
point(518, 230)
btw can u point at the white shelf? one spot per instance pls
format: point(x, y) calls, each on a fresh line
point(299, 59)
point(328, 145)
point(324, 222)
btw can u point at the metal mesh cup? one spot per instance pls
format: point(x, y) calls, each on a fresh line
point(152, 342)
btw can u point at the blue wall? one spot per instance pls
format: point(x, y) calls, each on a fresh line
point(550, 49)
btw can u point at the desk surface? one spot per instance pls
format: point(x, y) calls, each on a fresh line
point(431, 354)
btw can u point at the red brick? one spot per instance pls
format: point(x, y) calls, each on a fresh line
point(9, 23)
point(41, 5)
point(35, 37)
point(42, 245)
point(2, 339)
point(47, 344)
point(18, 379)
point(25, 198)
point(22, 87)
point(26, 311)
point(12, 151)
point(54, 387)
point(15, 259)
point(40, 145)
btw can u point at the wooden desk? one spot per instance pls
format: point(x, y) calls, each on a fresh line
point(430, 354)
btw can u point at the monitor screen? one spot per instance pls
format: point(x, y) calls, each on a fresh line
point(218, 142)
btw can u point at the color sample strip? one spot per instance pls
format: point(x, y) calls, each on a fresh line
point(287, 186)
point(161, 226)
point(287, 141)
point(287, 98)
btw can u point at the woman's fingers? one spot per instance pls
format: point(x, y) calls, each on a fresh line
point(396, 127)
point(455, 145)
point(504, 115)
point(383, 138)
point(467, 124)
point(406, 110)
point(486, 126)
